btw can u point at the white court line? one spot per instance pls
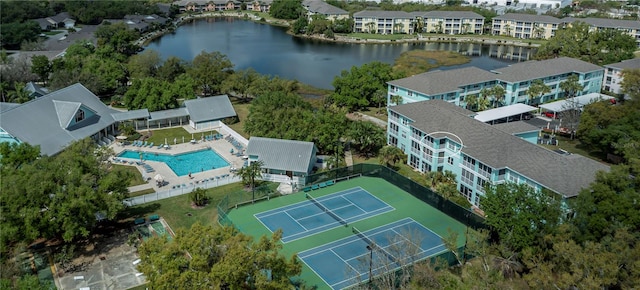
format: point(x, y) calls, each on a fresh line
point(295, 220)
point(293, 206)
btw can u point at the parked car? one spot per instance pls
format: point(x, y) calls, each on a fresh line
point(551, 115)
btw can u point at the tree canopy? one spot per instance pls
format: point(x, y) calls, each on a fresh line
point(286, 9)
point(205, 257)
point(355, 88)
point(598, 47)
point(57, 196)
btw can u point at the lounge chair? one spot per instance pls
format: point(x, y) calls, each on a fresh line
point(145, 144)
point(330, 182)
point(322, 185)
point(307, 189)
point(150, 145)
point(160, 146)
point(315, 186)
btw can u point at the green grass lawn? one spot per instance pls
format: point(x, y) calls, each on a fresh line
point(158, 136)
point(242, 110)
point(142, 192)
point(137, 177)
point(381, 36)
point(574, 146)
point(179, 213)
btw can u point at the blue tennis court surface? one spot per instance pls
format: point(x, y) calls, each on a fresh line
point(306, 218)
point(345, 263)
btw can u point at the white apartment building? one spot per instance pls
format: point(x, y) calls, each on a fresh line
point(613, 74)
point(383, 22)
point(450, 22)
point(525, 26)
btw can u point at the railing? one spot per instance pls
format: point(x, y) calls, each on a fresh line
point(234, 134)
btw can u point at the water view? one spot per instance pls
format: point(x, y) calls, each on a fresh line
point(270, 50)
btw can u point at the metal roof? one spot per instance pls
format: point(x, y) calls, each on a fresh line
point(131, 115)
point(503, 112)
point(43, 121)
point(279, 154)
point(440, 82)
point(536, 69)
point(564, 174)
point(7, 106)
point(211, 108)
point(168, 114)
point(575, 102)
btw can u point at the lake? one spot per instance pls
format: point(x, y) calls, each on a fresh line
point(271, 51)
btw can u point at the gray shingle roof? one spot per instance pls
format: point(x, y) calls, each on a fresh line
point(529, 18)
point(516, 127)
point(563, 174)
point(382, 14)
point(281, 154)
point(633, 63)
point(447, 14)
point(211, 108)
point(321, 7)
point(43, 121)
point(535, 69)
point(438, 82)
point(604, 22)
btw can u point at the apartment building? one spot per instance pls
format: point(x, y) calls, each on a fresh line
point(613, 74)
point(438, 136)
point(449, 22)
point(629, 27)
point(383, 22)
point(319, 7)
point(455, 85)
point(525, 26)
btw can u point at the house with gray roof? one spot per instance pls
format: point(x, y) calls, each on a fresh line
point(613, 76)
point(319, 7)
point(57, 119)
point(60, 20)
point(438, 136)
point(205, 113)
point(284, 160)
point(457, 85)
point(35, 90)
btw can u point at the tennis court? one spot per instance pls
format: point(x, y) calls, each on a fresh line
point(347, 262)
point(327, 212)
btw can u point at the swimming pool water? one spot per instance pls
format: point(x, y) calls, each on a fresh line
point(182, 164)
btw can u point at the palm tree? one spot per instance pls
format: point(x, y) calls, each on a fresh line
point(418, 25)
point(439, 27)
point(498, 93)
point(396, 99)
point(571, 86)
point(538, 31)
point(390, 155)
point(537, 89)
point(370, 27)
point(507, 28)
point(250, 173)
point(19, 93)
point(465, 27)
point(472, 102)
point(483, 103)
point(398, 27)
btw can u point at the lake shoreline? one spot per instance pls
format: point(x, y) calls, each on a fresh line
point(147, 38)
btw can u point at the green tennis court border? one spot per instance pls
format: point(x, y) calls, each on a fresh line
point(405, 204)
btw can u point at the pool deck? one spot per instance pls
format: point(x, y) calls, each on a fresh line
point(222, 147)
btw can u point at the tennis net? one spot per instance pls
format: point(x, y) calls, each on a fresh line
point(326, 210)
point(372, 245)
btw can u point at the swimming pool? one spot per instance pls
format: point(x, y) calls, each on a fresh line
point(182, 164)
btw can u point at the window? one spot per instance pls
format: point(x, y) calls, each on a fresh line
point(513, 178)
point(484, 170)
point(469, 162)
point(79, 116)
point(440, 157)
point(467, 192)
point(410, 93)
point(501, 174)
point(450, 160)
point(428, 154)
point(413, 161)
point(480, 184)
point(466, 177)
point(393, 128)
